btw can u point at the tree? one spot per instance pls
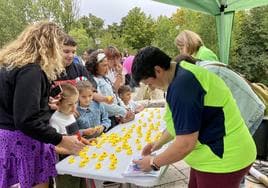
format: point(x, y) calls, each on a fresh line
point(14, 17)
point(81, 37)
point(202, 24)
point(115, 30)
point(165, 33)
point(252, 57)
point(187, 19)
point(208, 32)
point(237, 36)
point(63, 12)
point(16, 14)
point(93, 26)
point(107, 39)
point(137, 29)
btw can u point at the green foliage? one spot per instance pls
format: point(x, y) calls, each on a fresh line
point(203, 24)
point(93, 26)
point(236, 37)
point(108, 40)
point(251, 51)
point(115, 30)
point(165, 33)
point(63, 12)
point(80, 36)
point(13, 18)
point(187, 19)
point(137, 29)
point(249, 43)
point(16, 14)
point(207, 30)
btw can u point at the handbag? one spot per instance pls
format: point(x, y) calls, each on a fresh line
point(262, 91)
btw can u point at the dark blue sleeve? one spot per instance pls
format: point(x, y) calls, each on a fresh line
point(185, 97)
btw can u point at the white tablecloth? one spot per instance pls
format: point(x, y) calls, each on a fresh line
point(149, 119)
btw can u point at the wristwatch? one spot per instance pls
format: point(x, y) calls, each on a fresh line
point(154, 166)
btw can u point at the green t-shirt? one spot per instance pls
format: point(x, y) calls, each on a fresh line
point(205, 54)
point(198, 100)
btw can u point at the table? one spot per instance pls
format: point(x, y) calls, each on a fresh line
point(137, 135)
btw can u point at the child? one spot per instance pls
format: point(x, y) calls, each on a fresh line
point(64, 122)
point(124, 93)
point(92, 114)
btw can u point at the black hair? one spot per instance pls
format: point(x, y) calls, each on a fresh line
point(90, 50)
point(146, 60)
point(92, 63)
point(69, 41)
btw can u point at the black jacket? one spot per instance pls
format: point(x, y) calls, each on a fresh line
point(24, 106)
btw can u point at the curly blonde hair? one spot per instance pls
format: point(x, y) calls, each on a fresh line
point(39, 43)
point(190, 40)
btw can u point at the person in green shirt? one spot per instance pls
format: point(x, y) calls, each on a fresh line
point(204, 122)
point(190, 43)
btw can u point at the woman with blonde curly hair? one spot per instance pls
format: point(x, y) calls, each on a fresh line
point(27, 66)
point(190, 43)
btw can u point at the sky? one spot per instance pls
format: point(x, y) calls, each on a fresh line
point(113, 10)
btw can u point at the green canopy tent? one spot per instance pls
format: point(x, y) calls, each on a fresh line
point(224, 11)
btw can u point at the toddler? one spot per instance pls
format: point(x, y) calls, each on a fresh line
point(124, 93)
point(64, 122)
point(92, 115)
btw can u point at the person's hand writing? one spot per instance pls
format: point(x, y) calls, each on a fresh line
point(144, 163)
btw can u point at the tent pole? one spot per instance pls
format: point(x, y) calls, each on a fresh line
point(222, 42)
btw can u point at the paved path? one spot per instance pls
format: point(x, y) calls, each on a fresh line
point(177, 176)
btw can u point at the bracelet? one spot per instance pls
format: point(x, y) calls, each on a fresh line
point(154, 166)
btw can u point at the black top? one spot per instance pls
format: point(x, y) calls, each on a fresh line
point(75, 70)
point(24, 103)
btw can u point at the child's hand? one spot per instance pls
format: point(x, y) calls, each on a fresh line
point(76, 113)
point(85, 141)
point(92, 140)
point(139, 109)
point(129, 117)
point(89, 131)
point(53, 102)
point(99, 129)
point(109, 99)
